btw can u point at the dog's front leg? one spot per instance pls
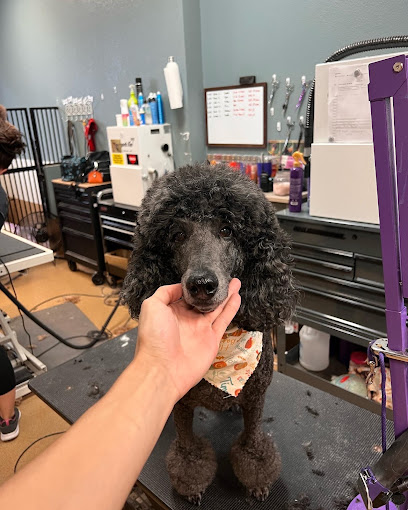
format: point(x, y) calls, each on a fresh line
point(254, 457)
point(191, 461)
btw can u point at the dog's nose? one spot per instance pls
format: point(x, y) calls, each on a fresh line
point(202, 286)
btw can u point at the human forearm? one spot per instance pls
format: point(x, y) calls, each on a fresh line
point(95, 464)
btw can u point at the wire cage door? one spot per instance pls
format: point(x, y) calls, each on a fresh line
point(25, 181)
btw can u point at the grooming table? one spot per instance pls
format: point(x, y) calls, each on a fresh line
point(18, 254)
point(343, 437)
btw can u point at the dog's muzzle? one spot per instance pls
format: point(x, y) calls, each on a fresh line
point(202, 288)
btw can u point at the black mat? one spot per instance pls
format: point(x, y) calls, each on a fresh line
point(67, 320)
point(344, 437)
point(13, 249)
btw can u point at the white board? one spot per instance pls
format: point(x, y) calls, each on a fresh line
point(236, 116)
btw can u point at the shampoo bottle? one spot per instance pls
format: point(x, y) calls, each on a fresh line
point(153, 109)
point(132, 102)
point(296, 183)
point(124, 112)
point(160, 107)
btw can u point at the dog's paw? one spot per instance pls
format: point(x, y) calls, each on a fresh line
point(196, 499)
point(191, 468)
point(256, 464)
point(260, 493)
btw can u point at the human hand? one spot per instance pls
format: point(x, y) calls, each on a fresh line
point(179, 340)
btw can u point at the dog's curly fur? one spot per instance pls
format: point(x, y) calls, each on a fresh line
point(203, 195)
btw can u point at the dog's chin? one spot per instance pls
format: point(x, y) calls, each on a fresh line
point(202, 306)
point(205, 309)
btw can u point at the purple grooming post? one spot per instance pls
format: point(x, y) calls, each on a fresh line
point(357, 504)
point(388, 94)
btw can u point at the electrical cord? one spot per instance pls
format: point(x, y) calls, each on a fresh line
point(105, 298)
point(44, 326)
point(69, 338)
point(32, 444)
point(21, 315)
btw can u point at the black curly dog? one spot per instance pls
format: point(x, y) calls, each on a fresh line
point(202, 226)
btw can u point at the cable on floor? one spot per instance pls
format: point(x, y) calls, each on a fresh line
point(32, 444)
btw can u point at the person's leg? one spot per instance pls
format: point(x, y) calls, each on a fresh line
point(9, 414)
point(7, 402)
point(7, 386)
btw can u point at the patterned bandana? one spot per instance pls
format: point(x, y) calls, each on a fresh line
point(237, 358)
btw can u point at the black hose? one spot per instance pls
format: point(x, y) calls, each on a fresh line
point(42, 325)
point(397, 41)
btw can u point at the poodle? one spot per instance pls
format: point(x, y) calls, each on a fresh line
point(204, 225)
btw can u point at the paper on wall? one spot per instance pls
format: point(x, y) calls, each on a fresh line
point(348, 103)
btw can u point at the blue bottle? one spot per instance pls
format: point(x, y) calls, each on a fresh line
point(142, 115)
point(160, 107)
point(154, 110)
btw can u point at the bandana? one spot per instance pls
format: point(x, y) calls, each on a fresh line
point(236, 360)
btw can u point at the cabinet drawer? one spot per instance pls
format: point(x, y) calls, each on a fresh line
point(341, 257)
point(74, 208)
point(369, 270)
point(324, 268)
point(76, 222)
point(334, 237)
point(72, 194)
point(80, 243)
point(371, 295)
point(371, 317)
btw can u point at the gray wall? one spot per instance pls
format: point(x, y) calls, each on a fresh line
point(288, 38)
point(53, 49)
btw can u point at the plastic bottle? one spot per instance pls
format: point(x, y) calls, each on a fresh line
point(142, 115)
point(173, 83)
point(314, 349)
point(153, 108)
point(132, 101)
point(124, 112)
point(160, 107)
point(296, 183)
point(139, 86)
point(148, 113)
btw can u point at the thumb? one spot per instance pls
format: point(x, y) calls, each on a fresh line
point(169, 293)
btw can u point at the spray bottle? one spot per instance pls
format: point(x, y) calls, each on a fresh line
point(296, 183)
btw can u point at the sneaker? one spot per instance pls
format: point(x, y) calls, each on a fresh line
point(9, 428)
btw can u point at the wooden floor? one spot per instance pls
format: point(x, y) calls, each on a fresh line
point(40, 284)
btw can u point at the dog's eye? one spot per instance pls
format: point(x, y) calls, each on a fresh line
point(225, 232)
point(179, 237)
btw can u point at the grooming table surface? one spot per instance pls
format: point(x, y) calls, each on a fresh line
point(343, 437)
point(18, 253)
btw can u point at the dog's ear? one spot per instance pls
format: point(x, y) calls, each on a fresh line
point(268, 291)
point(147, 271)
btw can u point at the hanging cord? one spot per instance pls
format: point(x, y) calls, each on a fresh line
point(383, 399)
point(370, 357)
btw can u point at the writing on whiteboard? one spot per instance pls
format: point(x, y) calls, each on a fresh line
point(236, 116)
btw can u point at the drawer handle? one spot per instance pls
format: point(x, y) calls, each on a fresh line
point(115, 229)
point(119, 220)
point(319, 249)
point(315, 231)
point(330, 265)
